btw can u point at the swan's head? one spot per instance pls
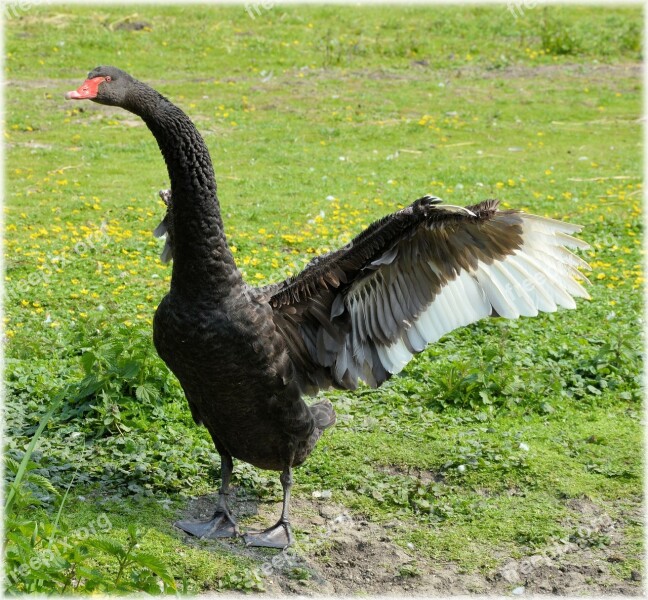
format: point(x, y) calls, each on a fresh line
point(105, 85)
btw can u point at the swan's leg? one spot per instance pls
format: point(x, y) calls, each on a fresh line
point(279, 535)
point(222, 524)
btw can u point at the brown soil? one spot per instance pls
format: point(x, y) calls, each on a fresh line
point(339, 555)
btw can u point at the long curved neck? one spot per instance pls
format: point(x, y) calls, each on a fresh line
point(203, 264)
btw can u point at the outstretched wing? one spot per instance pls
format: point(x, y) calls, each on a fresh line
point(361, 312)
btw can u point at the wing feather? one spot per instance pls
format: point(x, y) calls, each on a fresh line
point(363, 311)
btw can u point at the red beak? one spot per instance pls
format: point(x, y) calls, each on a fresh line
point(87, 91)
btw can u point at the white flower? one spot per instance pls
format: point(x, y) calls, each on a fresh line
point(324, 494)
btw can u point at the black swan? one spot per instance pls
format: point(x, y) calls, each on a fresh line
point(245, 356)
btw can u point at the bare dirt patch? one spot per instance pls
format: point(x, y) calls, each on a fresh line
point(600, 72)
point(581, 564)
point(580, 70)
point(339, 553)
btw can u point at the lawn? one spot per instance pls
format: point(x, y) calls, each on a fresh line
point(508, 455)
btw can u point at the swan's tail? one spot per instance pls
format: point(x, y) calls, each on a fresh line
point(323, 414)
point(324, 417)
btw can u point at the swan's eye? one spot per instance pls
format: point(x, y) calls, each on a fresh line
point(108, 78)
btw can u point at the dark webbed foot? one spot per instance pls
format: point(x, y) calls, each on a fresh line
point(222, 525)
point(278, 536)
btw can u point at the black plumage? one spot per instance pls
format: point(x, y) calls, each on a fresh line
point(246, 356)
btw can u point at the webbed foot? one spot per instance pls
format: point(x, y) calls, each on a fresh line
point(222, 525)
point(279, 536)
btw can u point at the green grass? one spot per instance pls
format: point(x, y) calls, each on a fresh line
point(465, 103)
